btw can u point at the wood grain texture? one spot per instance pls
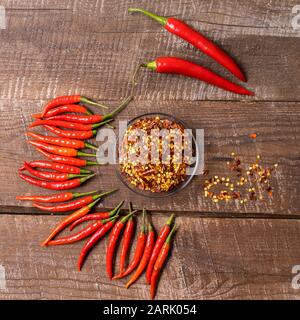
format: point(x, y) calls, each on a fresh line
point(97, 45)
point(211, 259)
point(226, 125)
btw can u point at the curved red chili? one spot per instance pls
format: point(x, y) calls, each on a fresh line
point(63, 142)
point(71, 134)
point(163, 234)
point(162, 257)
point(62, 151)
point(44, 164)
point(66, 124)
point(127, 238)
point(114, 236)
point(54, 176)
point(63, 100)
point(55, 198)
point(75, 204)
point(64, 108)
point(95, 118)
point(199, 41)
point(96, 216)
point(145, 258)
point(68, 160)
point(68, 220)
point(139, 250)
point(55, 185)
point(82, 234)
point(193, 70)
point(100, 233)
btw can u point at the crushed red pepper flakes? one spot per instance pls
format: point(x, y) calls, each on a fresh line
point(241, 187)
point(253, 136)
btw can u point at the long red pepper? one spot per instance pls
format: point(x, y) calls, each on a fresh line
point(64, 108)
point(69, 219)
point(100, 233)
point(126, 241)
point(63, 100)
point(67, 160)
point(66, 124)
point(62, 151)
point(112, 243)
point(189, 34)
point(75, 204)
point(55, 185)
point(92, 216)
point(56, 198)
point(139, 250)
point(193, 70)
point(82, 234)
point(163, 254)
point(63, 142)
point(53, 176)
point(146, 256)
point(44, 164)
point(163, 234)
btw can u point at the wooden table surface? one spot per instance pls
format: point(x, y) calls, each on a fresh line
point(222, 251)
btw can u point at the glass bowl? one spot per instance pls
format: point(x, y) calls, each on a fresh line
point(180, 186)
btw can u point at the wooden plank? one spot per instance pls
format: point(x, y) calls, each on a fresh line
point(211, 259)
point(97, 45)
point(227, 126)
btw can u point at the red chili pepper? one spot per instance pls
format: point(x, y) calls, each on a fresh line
point(193, 70)
point(189, 34)
point(68, 220)
point(68, 160)
point(82, 234)
point(63, 142)
point(158, 245)
point(90, 119)
point(63, 100)
point(62, 151)
point(100, 233)
point(139, 250)
point(94, 216)
point(54, 176)
point(55, 198)
point(127, 238)
point(71, 134)
point(62, 109)
point(163, 254)
point(145, 258)
point(75, 204)
point(55, 185)
point(66, 124)
point(114, 236)
point(56, 166)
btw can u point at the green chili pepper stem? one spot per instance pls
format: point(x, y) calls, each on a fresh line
point(90, 146)
point(174, 229)
point(92, 163)
point(85, 171)
point(110, 219)
point(89, 112)
point(150, 65)
point(118, 109)
point(77, 194)
point(103, 194)
point(124, 219)
point(170, 220)
point(160, 19)
point(113, 212)
point(82, 180)
point(144, 227)
point(92, 103)
point(73, 175)
point(150, 227)
point(83, 154)
point(97, 125)
point(93, 203)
